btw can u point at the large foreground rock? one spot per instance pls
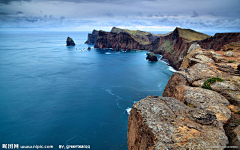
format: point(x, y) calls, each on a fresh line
point(167, 123)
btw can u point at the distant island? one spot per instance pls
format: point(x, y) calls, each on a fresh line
point(200, 105)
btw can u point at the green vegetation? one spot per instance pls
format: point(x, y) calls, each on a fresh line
point(191, 35)
point(140, 36)
point(206, 84)
point(230, 61)
point(237, 121)
point(190, 105)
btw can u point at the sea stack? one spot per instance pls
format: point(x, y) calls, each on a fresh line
point(151, 57)
point(70, 42)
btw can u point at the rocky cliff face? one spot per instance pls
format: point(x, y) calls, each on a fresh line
point(199, 108)
point(167, 123)
point(92, 37)
point(219, 40)
point(175, 45)
point(122, 40)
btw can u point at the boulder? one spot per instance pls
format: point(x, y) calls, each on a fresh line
point(166, 123)
point(232, 96)
point(225, 85)
point(203, 99)
point(230, 54)
point(200, 71)
point(70, 42)
point(225, 68)
point(89, 48)
point(218, 59)
point(193, 47)
point(151, 57)
point(204, 58)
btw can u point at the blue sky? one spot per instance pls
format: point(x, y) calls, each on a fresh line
point(147, 15)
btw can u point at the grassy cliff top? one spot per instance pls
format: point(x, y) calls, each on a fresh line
point(140, 36)
point(191, 35)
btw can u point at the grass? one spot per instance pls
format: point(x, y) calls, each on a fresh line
point(207, 84)
point(191, 35)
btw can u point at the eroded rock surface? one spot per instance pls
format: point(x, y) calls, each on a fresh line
point(167, 123)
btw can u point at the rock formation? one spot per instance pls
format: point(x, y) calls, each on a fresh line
point(204, 103)
point(167, 123)
point(217, 41)
point(70, 42)
point(92, 37)
point(151, 57)
point(175, 46)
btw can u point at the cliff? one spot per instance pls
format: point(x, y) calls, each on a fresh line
point(219, 40)
point(92, 37)
point(175, 45)
point(122, 40)
point(199, 108)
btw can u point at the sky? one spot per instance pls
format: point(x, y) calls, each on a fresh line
point(146, 15)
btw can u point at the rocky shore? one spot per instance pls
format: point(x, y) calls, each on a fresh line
point(199, 108)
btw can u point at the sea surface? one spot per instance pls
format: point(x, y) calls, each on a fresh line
point(51, 94)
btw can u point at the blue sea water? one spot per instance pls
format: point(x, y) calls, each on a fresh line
point(51, 94)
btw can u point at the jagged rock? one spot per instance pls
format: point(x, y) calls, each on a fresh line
point(92, 37)
point(203, 99)
point(151, 57)
point(193, 47)
point(225, 68)
point(204, 59)
point(70, 42)
point(232, 96)
point(230, 54)
point(232, 130)
point(215, 54)
point(199, 83)
point(193, 61)
point(218, 59)
point(200, 71)
point(225, 85)
point(217, 41)
point(166, 123)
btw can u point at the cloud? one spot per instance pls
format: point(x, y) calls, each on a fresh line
point(4, 13)
point(108, 14)
point(212, 14)
point(19, 12)
point(195, 14)
point(10, 1)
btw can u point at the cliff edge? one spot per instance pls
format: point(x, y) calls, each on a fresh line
point(199, 108)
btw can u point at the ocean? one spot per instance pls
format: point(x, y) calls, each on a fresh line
point(51, 94)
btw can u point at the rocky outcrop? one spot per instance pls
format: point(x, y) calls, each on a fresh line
point(176, 45)
point(167, 123)
point(117, 41)
point(70, 42)
point(217, 41)
point(92, 37)
point(173, 46)
point(230, 54)
point(186, 86)
point(151, 57)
